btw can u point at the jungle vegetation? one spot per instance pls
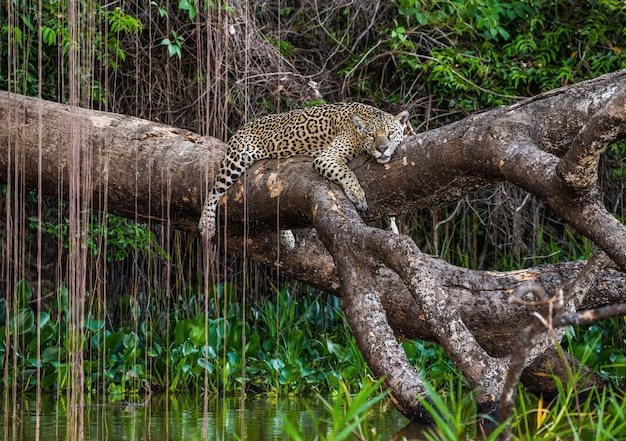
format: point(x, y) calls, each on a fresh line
point(152, 322)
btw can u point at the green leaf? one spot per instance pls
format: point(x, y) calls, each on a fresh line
point(174, 50)
point(253, 346)
point(22, 322)
point(44, 319)
point(209, 352)
point(23, 292)
point(335, 349)
point(206, 365)
point(188, 348)
point(49, 37)
point(185, 5)
point(503, 32)
point(94, 325)
point(131, 340)
point(276, 363)
point(114, 342)
point(290, 374)
point(182, 330)
point(155, 351)
point(131, 355)
point(53, 353)
point(197, 334)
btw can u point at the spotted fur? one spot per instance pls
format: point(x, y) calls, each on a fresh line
point(333, 134)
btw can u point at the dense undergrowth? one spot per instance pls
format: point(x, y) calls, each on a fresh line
point(291, 341)
point(281, 347)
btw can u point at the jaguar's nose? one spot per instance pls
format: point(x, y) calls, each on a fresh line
point(382, 148)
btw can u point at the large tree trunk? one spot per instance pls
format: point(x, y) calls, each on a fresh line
point(548, 145)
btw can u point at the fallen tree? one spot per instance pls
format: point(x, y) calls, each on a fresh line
point(548, 145)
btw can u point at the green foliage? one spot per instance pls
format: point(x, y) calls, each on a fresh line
point(285, 47)
point(102, 27)
point(617, 154)
point(598, 414)
point(174, 44)
point(454, 415)
point(190, 7)
point(601, 346)
point(286, 346)
point(348, 414)
point(296, 344)
point(476, 19)
point(432, 362)
point(56, 339)
point(116, 235)
point(305, 343)
point(478, 54)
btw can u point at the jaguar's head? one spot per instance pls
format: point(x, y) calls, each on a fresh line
point(382, 135)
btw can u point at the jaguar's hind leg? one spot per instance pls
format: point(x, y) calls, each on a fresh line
point(232, 167)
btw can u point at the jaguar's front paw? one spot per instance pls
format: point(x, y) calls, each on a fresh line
point(357, 197)
point(361, 206)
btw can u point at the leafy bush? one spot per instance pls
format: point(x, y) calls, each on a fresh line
point(102, 27)
point(471, 54)
point(117, 235)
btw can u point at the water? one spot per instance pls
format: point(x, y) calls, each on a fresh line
point(176, 417)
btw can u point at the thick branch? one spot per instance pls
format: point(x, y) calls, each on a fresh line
point(423, 280)
point(579, 167)
point(433, 167)
point(133, 160)
point(341, 230)
point(481, 296)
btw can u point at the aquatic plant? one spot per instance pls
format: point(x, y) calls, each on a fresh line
point(290, 346)
point(348, 415)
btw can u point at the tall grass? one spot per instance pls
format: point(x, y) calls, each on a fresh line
point(347, 414)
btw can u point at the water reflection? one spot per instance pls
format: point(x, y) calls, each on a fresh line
point(189, 418)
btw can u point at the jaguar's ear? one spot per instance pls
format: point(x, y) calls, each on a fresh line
point(403, 118)
point(358, 122)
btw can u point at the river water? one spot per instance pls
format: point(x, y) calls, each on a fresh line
point(189, 418)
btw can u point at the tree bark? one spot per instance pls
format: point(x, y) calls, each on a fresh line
point(548, 145)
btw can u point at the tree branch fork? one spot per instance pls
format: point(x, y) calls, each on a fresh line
point(568, 183)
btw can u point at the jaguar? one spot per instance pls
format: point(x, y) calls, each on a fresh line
point(333, 134)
